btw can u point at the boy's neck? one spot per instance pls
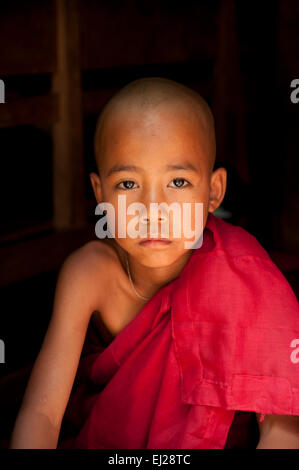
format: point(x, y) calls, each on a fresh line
point(148, 280)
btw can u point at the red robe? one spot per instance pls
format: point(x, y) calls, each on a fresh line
point(220, 337)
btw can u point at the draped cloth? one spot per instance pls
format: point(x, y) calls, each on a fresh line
point(218, 339)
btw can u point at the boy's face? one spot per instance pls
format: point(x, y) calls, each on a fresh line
point(155, 141)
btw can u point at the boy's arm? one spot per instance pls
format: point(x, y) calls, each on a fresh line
point(278, 432)
point(39, 419)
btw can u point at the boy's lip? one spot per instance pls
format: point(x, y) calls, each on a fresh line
point(155, 242)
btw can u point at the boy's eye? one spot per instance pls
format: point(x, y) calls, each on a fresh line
point(179, 182)
point(127, 183)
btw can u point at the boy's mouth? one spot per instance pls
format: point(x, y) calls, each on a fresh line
point(154, 242)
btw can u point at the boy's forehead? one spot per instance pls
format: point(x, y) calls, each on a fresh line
point(160, 102)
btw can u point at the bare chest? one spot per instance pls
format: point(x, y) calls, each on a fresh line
point(117, 303)
point(118, 308)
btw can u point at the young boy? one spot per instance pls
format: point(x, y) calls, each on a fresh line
point(187, 336)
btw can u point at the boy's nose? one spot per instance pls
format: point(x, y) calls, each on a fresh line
point(153, 215)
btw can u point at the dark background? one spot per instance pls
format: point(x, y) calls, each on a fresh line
point(61, 62)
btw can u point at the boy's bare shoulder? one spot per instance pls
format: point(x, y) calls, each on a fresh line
point(88, 266)
point(91, 258)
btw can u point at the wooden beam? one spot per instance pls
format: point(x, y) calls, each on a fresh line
point(68, 158)
point(228, 94)
point(33, 230)
point(130, 33)
point(27, 37)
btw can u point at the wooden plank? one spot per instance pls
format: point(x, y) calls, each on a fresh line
point(228, 99)
point(24, 232)
point(34, 110)
point(27, 37)
point(128, 33)
point(68, 158)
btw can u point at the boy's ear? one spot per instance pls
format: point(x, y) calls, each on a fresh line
point(217, 188)
point(96, 186)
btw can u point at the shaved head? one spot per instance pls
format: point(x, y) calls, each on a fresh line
point(144, 96)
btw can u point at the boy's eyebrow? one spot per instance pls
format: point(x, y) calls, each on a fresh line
point(183, 166)
point(119, 168)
